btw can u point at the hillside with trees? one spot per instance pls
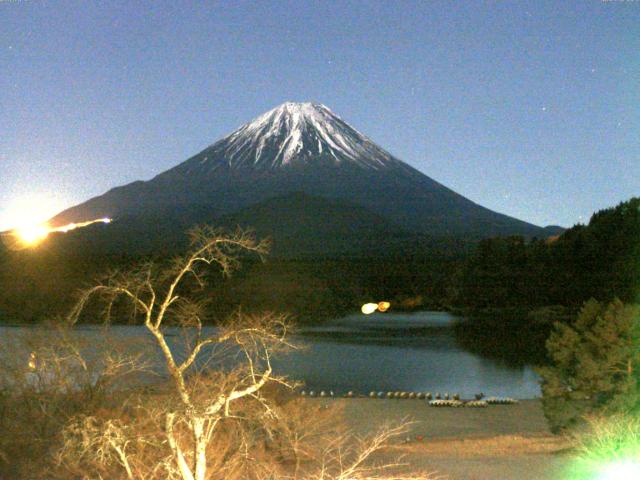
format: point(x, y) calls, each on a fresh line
point(599, 260)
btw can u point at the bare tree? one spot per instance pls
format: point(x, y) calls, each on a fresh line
point(156, 296)
point(352, 458)
point(201, 420)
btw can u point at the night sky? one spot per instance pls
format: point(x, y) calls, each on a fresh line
point(529, 108)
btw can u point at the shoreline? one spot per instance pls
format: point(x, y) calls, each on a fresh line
point(509, 442)
point(523, 418)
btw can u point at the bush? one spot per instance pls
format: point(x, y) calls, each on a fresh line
point(595, 365)
point(45, 381)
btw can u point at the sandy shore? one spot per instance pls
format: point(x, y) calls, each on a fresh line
point(498, 442)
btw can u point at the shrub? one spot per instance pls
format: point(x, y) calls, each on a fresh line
point(595, 365)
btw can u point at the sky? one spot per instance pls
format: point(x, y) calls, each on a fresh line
point(529, 108)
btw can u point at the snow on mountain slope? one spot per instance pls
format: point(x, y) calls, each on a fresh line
point(290, 134)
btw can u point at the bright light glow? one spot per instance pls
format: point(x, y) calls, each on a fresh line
point(620, 470)
point(383, 306)
point(32, 234)
point(73, 226)
point(66, 228)
point(25, 220)
point(32, 361)
point(26, 217)
point(32, 209)
point(368, 308)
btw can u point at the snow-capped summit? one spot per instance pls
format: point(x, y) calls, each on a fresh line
point(294, 133)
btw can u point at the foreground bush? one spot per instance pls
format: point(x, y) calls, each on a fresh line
point(87, 432)
point(595, 365)
point(45, 382)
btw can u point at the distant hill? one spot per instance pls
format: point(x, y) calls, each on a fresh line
point(553, 230)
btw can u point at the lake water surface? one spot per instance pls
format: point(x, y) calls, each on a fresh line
point(381, 352)
point(406, 352)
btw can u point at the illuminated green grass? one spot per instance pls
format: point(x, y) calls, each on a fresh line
point(609, 450)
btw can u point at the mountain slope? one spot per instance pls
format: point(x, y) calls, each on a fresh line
point(302, 148)
point(300, 224)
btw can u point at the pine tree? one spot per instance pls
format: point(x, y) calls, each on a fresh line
point(595, 365)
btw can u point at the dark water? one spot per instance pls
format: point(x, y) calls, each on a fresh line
point(380, 352)
point(410, 352)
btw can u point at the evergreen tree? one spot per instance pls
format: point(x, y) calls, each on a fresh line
point(595, 364)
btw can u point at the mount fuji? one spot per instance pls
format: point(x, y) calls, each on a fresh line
point(298, 157)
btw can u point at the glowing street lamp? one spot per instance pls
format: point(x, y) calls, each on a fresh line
point(369, 308)
point(383, 306)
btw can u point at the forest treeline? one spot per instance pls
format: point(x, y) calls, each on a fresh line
point(41, 283)
point(600, 260)
point(512, 291)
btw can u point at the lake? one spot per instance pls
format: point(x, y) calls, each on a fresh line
point(380, 352)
